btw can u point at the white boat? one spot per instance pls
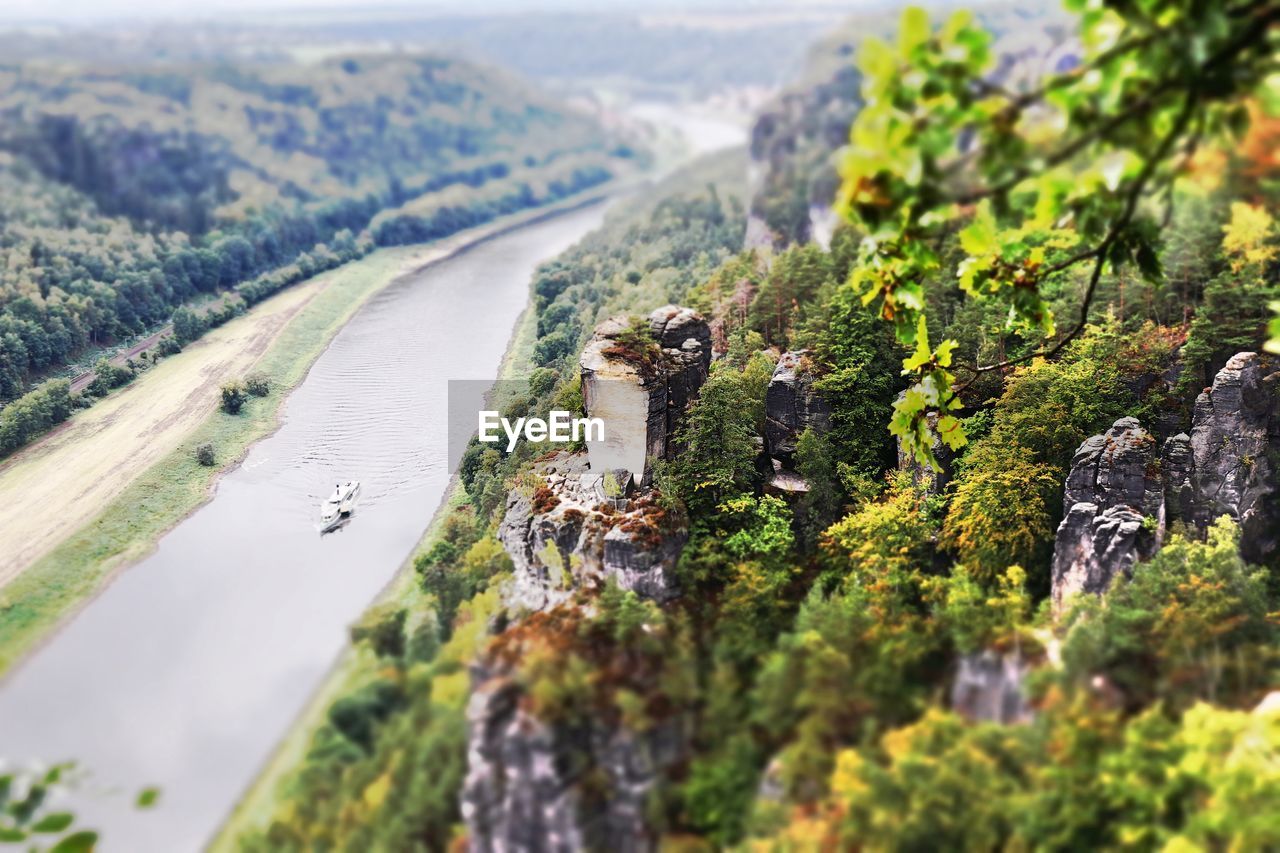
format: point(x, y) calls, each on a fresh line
point(340, 505)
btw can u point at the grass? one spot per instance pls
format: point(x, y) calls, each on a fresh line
point(157, 492)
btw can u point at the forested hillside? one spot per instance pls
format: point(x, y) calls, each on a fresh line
point(960, 533)
point(127, 191)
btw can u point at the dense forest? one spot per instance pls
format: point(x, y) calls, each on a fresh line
point(1017, 588)
point(125, 193)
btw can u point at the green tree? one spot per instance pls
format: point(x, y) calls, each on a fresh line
point(234, 396)
point(1191, 624)
point(719, 436)
point(1050, 180)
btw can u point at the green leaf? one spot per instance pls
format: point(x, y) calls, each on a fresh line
point(79, 842)
point(147, 797)
point(943, 353)
point(53, 822)
point(9, 835)
point(951, 431)
point(1273, 345)
point(980, 237)
point(923, 355)
point(913, 31)
point(876, 61)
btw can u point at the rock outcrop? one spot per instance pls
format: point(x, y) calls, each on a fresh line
point(989, 687)
point(641, 385)
point(577, 521)
point(792, 405)
point(588, 518)
point(1235, 446)
point(572, 531)
point(1114, 504)
point(1120, 496)
point(792, 176)
point(536, 786)
point(924, 478)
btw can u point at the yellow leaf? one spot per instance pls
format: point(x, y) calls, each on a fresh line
point(1245, 237)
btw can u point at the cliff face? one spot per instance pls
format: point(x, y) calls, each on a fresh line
point(1235, 453)
point(923, 477)
point(1114, 510)
point(584, 519)
point(641, 388)
point(533, 786)
point(1121, 495)
point(793, 177)
point(792, 405)
point(591, 517)
point(989, 686)
point(570, 533)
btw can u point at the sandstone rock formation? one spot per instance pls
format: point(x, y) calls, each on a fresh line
point(1114, 503)
point(989, 687)
point(578, 521)
point(792, 405)
point(1120, 497)
point(568, 533)
point(592, 517)
point(1235, 449)
point(533, 786)
point(924, 478)
point(792, 175)
point(642, 386)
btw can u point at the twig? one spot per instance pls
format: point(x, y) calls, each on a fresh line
point(1099, 252)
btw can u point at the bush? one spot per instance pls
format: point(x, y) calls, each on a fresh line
point(33, 413)
point(383, 627)
point(109, 376)
point(204, 455)
point(187, 326)
point(257, 384)
point(233, 397)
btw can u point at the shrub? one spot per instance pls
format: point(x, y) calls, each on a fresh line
point(233, 397)
point(33, 413)
point(187, 326)
point(383, 627)
point(257, 384)
point(205, 456)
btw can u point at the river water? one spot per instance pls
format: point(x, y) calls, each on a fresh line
point(192, 664)
point(188, 669)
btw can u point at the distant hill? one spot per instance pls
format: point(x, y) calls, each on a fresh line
point(653, 50)
point(125, 191)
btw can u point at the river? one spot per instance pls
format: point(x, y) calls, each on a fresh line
point(192, 664)
point(187, 670)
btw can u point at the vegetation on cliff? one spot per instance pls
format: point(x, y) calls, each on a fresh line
point(811, 658)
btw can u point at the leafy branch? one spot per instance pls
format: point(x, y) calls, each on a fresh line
point(1042, 182)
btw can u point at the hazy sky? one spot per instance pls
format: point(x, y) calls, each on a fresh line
point(71, 11)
